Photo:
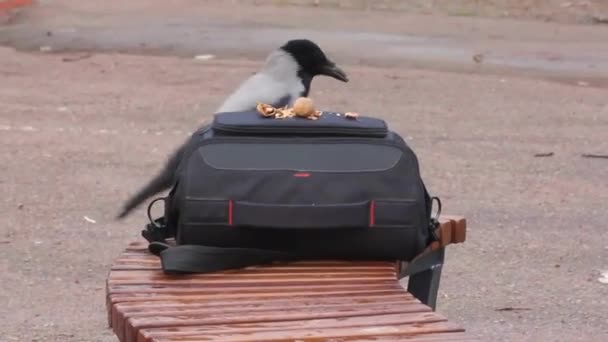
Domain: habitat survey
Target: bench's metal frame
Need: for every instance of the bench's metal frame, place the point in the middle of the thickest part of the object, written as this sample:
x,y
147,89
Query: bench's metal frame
x,y
424,274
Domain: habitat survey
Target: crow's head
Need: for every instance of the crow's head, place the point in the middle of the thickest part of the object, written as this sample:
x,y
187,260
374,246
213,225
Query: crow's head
x,y
312,60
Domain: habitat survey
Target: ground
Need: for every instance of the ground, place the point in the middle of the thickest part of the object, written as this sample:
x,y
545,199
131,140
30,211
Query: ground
x,y
82,127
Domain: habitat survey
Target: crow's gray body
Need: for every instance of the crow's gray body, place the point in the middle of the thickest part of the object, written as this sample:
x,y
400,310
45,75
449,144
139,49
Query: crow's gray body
x,y
277,84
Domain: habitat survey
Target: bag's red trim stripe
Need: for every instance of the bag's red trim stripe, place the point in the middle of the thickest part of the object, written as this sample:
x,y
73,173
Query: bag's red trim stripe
x,y
230,209
302,175
372,213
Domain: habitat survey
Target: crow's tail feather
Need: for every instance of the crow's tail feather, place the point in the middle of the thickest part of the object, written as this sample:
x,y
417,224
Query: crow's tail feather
x,y
159,183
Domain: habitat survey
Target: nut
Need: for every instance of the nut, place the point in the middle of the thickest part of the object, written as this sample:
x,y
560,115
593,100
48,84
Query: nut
x,y
266,110
303,107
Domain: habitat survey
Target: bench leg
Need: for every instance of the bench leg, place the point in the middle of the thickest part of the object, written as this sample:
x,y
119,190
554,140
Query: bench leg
x,y
424,275
425,285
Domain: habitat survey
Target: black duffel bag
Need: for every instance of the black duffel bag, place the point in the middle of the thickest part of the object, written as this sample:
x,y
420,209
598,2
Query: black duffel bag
x,y
251,190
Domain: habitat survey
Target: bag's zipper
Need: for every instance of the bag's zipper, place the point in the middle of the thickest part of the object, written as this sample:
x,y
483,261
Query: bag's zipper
x,y
315,128
298,139
346,131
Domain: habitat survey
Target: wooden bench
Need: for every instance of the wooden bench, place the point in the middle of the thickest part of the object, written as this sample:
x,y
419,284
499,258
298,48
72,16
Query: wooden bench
x,y
298,301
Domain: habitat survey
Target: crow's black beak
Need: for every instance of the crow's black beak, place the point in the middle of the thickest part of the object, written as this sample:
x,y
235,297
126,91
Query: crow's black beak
x,y
332,70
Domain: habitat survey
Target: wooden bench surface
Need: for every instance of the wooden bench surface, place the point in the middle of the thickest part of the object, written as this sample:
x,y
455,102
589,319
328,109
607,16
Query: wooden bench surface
x,y
299,301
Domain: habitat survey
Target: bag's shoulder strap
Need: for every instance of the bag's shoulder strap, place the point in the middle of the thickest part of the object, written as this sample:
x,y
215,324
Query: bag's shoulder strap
x,y
204,259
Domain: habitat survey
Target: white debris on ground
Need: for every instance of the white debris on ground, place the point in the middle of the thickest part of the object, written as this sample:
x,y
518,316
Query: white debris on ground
x,y
603,277
204,57
90,220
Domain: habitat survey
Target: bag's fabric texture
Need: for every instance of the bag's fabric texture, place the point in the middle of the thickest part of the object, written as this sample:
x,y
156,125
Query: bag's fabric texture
x,y
252,190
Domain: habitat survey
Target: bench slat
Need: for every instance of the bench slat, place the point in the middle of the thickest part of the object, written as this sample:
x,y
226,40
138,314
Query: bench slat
x,y
246,278
292,302
355,321
285,271
427,337
262,288
271,317
323,333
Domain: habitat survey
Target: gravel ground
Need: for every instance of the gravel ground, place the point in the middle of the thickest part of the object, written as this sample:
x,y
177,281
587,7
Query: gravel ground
x,y
77,137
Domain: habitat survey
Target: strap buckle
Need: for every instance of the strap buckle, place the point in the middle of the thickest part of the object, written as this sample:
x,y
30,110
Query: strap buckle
x,y
434,221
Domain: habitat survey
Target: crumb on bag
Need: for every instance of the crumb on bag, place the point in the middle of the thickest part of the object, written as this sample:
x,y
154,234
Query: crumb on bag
x,y
303,107
351,115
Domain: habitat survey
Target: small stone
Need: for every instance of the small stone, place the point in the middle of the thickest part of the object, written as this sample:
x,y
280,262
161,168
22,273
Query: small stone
x,y
478,58
204,57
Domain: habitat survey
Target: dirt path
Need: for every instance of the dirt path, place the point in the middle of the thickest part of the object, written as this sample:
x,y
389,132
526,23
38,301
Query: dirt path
x,y
77,137
185,28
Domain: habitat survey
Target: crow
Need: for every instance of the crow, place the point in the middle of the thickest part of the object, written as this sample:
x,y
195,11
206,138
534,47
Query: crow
x,y
286,75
